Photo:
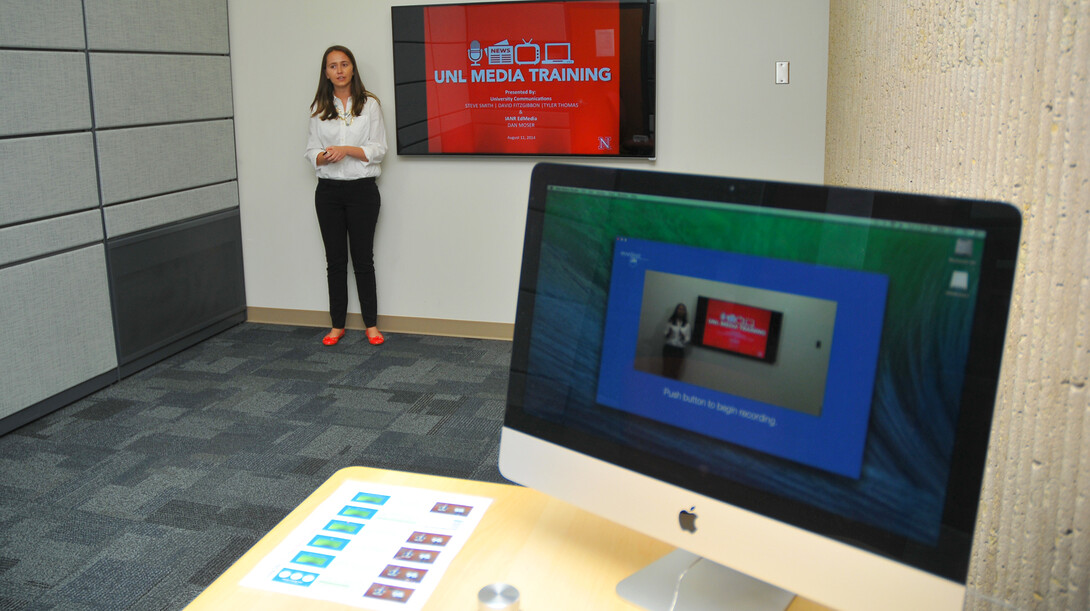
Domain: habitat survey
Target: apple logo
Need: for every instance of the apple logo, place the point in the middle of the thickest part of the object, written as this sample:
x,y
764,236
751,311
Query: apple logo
x,y
687,520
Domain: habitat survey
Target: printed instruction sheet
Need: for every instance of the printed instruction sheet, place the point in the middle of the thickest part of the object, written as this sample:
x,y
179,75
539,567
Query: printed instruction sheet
x,y
372,546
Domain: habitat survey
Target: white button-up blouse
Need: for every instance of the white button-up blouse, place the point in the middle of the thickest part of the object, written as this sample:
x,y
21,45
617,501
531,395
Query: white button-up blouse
x,y
366,131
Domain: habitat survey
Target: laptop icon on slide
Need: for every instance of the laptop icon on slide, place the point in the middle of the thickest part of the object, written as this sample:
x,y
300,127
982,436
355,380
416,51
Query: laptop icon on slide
x,y
558,53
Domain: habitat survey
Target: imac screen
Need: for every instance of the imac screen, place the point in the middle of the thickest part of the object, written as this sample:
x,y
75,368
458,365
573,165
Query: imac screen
x,y
825,357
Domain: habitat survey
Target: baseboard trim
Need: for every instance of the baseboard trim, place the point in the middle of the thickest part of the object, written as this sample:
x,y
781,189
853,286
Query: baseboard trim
x,y
393,324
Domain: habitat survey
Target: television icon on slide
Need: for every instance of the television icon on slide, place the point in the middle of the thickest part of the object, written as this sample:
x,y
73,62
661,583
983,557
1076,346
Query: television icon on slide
x,y
558,53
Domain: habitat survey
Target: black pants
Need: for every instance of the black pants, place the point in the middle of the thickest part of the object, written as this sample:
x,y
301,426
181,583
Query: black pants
x,y
672,360
347,215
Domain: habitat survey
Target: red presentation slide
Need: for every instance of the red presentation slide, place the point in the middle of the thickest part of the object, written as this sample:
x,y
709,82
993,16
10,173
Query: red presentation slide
x,y
737,328
539,78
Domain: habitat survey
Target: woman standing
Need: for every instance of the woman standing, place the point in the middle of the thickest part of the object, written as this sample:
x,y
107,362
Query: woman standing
x,y
678,334
346,142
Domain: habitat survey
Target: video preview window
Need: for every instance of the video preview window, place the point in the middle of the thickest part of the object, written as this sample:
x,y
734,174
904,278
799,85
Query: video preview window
x,y
808,401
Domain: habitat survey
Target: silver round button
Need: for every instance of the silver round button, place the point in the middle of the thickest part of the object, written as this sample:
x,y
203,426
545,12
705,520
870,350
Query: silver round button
x,y
498,597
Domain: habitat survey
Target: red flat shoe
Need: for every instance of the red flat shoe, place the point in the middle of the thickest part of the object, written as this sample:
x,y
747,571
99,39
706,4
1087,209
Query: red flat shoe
x,y
331,340
377,340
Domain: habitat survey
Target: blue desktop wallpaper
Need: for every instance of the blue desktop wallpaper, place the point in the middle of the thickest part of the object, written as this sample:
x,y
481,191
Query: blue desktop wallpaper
x,y
920,371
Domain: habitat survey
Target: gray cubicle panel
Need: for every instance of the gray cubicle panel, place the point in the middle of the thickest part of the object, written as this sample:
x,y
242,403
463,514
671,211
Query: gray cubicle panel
x,y
57,333
47,176
186,88
193,26
27,241
167,172
54,290
126,213
166,159
42,24
140,162
27,75
141,215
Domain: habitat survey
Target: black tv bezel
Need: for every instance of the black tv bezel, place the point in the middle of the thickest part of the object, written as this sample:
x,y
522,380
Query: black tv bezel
x,y
950,557
410,92
772,341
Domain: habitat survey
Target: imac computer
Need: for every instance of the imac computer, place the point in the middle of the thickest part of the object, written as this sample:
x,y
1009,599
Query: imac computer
x,y
793,384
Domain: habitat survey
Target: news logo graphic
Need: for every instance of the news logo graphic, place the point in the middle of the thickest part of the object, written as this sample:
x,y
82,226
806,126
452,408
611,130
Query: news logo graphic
x,y
500,54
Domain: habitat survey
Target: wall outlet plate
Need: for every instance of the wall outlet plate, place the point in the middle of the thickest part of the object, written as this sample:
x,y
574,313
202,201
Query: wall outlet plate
x,y
783,73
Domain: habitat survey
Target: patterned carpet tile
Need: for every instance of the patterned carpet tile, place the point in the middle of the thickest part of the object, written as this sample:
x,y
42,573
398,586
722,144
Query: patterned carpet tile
x,y
140,495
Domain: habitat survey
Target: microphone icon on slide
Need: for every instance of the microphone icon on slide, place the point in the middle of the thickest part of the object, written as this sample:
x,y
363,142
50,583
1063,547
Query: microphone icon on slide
x,y
475,52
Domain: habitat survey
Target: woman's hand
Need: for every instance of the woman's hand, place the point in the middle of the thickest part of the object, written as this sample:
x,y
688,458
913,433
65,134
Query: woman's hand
x,y
333,154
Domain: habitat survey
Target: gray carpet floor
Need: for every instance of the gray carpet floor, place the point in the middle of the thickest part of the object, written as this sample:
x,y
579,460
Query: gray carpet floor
x,y
140,495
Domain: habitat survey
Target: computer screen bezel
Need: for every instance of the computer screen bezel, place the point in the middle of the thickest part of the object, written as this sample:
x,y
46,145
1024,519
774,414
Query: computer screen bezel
x,y
1001,224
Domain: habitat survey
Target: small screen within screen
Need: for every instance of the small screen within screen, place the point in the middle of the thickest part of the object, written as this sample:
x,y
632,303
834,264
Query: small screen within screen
x,y
737,328
763,372
816,361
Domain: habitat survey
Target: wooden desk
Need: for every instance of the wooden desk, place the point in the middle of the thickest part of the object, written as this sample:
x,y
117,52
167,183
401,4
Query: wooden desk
x,y
558,556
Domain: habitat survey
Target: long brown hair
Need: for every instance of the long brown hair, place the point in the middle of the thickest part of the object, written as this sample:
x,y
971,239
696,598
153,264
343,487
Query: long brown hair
x,y
322,105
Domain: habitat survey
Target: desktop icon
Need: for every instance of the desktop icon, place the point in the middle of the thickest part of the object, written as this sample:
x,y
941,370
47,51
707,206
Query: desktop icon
x,y
959,281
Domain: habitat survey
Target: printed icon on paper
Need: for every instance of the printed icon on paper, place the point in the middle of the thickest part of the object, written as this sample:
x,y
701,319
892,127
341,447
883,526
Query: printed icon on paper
x,y
326,542
425,556
340,526
313,559
295,578
403,573
390,593
424,538
362,513
454,510
373,499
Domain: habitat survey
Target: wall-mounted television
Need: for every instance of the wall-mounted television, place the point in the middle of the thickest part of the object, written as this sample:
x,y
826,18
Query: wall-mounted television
x,y
736,328
555,78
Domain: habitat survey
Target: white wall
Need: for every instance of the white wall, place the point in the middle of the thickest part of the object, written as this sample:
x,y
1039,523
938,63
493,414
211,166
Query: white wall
x,y
450,232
